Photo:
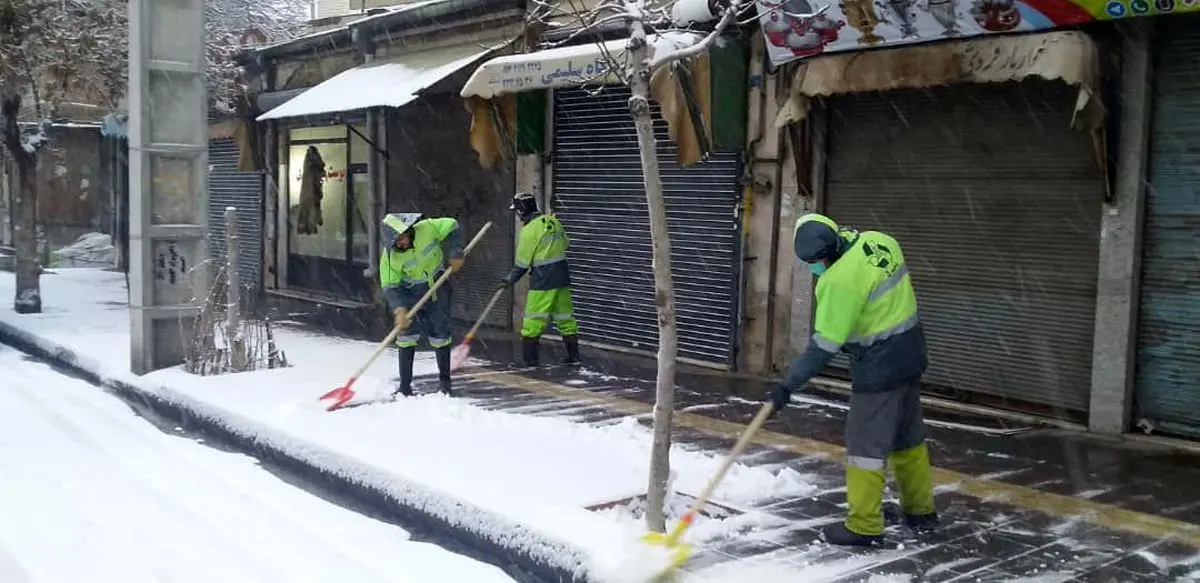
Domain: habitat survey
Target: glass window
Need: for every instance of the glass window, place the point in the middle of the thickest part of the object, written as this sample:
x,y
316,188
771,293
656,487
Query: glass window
x,y
362,214
360,150
317,228
337,132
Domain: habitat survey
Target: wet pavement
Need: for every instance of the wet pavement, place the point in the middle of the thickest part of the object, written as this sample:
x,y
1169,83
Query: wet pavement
x,y
1019,502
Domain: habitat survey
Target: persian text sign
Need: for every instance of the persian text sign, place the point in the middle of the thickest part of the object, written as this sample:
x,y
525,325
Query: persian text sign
x,y
849,25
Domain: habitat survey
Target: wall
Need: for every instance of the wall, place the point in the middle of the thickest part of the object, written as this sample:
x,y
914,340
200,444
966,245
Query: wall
x,y
73,197
772,203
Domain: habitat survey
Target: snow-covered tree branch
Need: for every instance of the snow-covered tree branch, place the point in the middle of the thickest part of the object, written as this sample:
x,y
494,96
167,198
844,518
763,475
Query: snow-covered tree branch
x,y
53,53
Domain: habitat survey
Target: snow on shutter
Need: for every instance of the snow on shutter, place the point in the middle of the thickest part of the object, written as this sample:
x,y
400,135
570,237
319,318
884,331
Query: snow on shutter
x,y
996,202
227,186
599,196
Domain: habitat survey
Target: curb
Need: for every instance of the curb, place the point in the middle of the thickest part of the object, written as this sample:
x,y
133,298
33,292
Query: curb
x,y
525,555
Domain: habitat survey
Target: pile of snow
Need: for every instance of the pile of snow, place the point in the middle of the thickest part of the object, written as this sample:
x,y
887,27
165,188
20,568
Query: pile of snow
x,y
89,250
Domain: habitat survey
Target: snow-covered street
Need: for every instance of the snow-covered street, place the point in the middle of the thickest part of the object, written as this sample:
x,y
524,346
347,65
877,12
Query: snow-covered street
x,y
91,491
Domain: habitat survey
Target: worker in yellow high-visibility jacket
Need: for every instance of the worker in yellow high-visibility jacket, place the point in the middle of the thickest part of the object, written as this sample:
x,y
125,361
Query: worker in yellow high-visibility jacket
x,y
542,251
866,306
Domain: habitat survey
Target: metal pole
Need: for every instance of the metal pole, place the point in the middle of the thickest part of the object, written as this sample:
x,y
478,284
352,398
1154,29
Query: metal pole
x,y
233,326
168,174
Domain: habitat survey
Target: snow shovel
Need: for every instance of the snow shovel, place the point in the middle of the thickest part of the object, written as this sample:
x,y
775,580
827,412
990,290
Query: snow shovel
x,y
681,552
345,393
460,353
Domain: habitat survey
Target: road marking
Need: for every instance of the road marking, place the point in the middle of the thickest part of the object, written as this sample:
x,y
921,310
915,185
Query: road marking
x,y
1097,513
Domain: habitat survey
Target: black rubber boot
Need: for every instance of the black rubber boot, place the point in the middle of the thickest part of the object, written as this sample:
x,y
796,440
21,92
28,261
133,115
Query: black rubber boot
x,y
571,344
838,534
529,351
922,523
443,362
406,371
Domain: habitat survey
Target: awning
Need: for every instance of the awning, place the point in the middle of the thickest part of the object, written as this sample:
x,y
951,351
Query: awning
x,y
589,63
1067,55
490,92
384,83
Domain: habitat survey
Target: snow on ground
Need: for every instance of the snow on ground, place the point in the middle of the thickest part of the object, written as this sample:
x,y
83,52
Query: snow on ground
x,y
89,250
535,471
92,492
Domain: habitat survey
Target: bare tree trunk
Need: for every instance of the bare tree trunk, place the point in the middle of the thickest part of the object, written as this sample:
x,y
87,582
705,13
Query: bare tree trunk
x,y
28,298
664,286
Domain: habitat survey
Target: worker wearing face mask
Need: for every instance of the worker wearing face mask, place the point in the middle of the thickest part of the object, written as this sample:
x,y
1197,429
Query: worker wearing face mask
x,y
866,306
411,261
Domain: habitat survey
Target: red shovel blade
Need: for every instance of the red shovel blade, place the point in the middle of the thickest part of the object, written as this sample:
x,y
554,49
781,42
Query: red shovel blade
x,y
340,396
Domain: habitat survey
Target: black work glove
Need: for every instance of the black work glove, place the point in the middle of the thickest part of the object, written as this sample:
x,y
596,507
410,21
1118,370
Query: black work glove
x,y
779,396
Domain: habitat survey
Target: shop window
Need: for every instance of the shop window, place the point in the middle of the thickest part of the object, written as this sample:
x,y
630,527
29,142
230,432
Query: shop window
x,y
321,133
317,229
360,150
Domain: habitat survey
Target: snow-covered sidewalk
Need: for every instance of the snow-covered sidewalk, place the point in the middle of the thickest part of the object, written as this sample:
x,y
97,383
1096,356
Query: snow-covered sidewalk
x,y
92,492
520,481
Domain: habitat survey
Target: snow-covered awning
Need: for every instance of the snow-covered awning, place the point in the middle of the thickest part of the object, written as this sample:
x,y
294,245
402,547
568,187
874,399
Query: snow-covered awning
x,y
385,83
589,63
1071,56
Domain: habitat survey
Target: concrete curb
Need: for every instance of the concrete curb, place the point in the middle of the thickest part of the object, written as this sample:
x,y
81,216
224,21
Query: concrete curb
x,y
525,555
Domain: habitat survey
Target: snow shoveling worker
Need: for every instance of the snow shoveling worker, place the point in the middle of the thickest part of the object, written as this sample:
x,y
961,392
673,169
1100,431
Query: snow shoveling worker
x,y
866,306
411,261
542,251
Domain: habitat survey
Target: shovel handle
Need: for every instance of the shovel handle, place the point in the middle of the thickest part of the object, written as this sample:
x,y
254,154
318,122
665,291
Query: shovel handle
x,y
738,447
420,304
495,298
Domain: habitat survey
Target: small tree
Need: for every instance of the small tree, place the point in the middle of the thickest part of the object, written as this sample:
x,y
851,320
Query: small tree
x,y
226,23
644,59
51,52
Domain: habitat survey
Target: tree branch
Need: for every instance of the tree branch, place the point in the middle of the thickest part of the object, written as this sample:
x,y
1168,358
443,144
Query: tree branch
x,y
728,16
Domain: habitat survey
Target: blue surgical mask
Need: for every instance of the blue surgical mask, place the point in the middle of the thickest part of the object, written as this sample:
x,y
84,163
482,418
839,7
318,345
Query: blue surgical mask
x,y
817,269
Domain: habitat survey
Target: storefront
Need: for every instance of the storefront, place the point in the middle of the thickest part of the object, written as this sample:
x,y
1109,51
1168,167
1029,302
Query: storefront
x,y
1167,389
352,142
993,181
596,187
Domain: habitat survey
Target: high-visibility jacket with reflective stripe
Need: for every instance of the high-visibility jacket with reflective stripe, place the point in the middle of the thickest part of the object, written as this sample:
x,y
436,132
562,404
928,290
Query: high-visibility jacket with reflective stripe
x,y
542,251
867,307
406,275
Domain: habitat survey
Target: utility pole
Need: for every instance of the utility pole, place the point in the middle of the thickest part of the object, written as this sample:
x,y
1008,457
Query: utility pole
x,y
168,179
233,295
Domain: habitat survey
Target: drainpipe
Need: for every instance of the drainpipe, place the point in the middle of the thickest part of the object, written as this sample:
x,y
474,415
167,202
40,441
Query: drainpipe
x,y
376,192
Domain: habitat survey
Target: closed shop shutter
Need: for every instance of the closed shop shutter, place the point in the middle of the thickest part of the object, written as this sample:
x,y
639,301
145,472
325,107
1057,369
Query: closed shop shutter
x,y
600,197
996,202
1168,344
432,170
228,187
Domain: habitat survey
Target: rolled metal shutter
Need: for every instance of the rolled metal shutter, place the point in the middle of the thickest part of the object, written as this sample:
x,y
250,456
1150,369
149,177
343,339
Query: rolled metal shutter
x,y
1168,341
600,197
996,202
227,186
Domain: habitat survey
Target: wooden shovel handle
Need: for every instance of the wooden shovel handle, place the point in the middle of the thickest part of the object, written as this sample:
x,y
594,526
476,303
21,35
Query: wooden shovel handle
x,y
420,303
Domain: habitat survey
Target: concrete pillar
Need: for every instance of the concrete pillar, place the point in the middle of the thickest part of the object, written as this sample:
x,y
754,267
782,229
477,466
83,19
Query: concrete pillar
x,y
760,211
1114,351
168,169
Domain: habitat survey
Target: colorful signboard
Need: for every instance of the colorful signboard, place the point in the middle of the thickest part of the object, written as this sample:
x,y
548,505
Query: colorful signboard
x,y
796,29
